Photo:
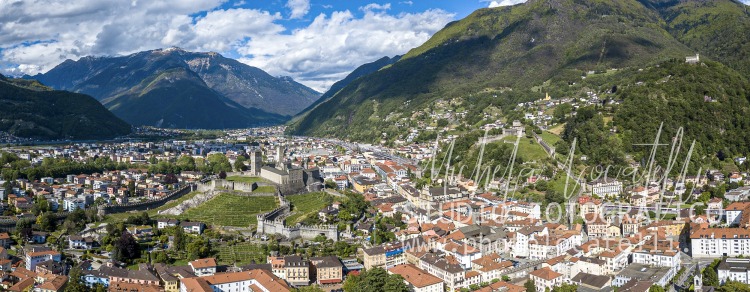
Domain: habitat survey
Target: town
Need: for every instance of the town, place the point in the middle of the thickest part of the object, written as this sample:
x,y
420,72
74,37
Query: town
x,y
276,213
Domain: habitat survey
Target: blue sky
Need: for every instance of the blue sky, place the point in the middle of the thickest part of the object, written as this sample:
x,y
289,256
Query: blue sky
x,y
317,42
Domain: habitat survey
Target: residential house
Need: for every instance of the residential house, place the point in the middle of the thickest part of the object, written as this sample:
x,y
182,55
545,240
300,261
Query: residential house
x,y
734,269
203,267
193,227
546,279
417,279
327,270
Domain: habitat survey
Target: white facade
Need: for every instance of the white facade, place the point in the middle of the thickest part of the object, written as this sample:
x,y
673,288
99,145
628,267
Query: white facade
x,y
734,269
670,259
717,247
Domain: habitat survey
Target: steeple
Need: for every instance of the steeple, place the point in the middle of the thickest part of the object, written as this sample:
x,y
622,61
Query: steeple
x,y
698,279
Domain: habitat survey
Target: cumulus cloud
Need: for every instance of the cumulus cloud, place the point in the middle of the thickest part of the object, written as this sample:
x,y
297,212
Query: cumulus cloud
x,y
36,35
494,4
375,6
298,8
333,45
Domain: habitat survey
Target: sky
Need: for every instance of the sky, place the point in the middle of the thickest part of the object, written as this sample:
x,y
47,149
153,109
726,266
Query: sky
x,y
316,42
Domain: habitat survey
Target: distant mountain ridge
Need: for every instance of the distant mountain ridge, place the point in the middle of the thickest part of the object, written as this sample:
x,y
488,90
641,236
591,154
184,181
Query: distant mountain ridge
x,y
237,95
30,110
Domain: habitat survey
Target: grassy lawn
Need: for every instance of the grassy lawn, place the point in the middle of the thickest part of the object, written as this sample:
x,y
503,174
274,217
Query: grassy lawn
x,y
265,189
241,253
305,205
558,184
231,210
557,129
528,149
550,138
118,217
246,179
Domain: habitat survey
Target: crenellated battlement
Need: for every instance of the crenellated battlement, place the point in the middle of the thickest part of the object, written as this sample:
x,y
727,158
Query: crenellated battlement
x,y
273,223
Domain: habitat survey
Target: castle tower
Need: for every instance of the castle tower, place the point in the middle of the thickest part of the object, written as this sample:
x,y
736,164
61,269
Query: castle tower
x,y
256,162
280,157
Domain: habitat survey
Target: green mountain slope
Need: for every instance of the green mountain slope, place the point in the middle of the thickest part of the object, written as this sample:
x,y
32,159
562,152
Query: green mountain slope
x,y
715,29
360,71
509,49
28,109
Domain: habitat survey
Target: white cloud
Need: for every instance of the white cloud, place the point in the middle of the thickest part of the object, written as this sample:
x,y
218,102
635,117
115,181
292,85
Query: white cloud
x,y
333,45
376,6
36,35
406,2
299,8
494,4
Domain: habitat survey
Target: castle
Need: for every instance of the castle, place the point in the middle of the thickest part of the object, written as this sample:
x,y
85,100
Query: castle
x,y
273,223
289,178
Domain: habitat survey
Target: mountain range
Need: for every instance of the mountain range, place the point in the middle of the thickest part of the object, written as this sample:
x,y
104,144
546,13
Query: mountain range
x,y
29,109
180,89
498,57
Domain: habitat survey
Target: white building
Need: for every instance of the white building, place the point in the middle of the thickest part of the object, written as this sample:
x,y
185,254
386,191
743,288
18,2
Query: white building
x,y
604,187
734,269
546,278
203,267
657,258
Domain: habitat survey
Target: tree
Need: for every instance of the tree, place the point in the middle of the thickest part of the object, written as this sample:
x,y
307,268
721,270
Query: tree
x,y
47,222
126,248
170,179
374,279
239,163
565,288
506,278
74,282
395,283
710,278
530,286
223,174
180,239
734,286
200,248
656,288
186,162
24,228
161,257
131,188
561,111
311,288
40,205
218,162
352,283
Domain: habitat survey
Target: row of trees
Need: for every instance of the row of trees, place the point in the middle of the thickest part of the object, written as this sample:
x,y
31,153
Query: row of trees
x,y
375,280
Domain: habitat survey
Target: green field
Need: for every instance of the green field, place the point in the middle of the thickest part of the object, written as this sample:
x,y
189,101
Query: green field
x,y
559,182
550,138
241,253
117,217
231,210
265,189
528,149
306,205
246,179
